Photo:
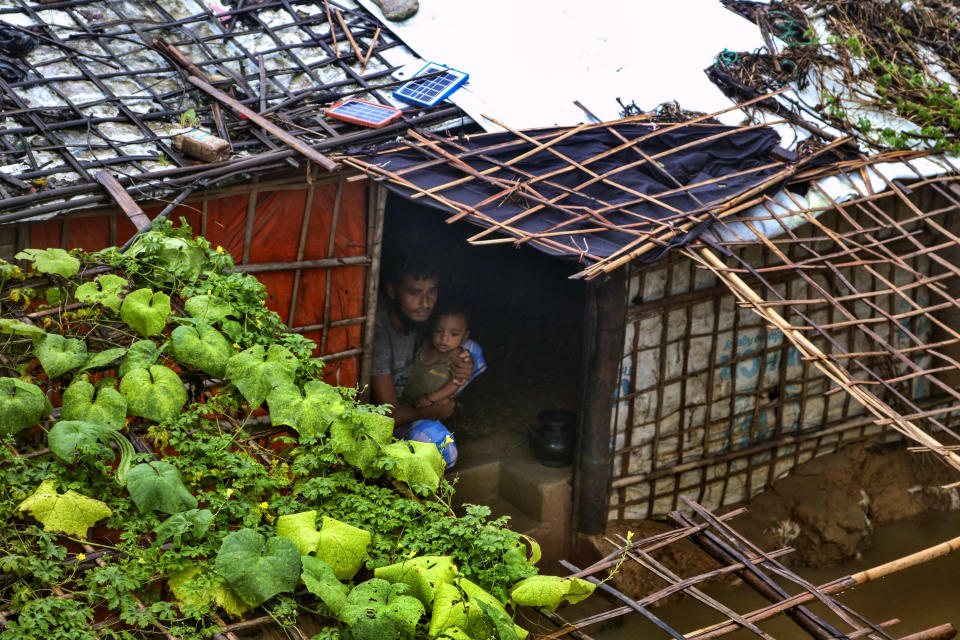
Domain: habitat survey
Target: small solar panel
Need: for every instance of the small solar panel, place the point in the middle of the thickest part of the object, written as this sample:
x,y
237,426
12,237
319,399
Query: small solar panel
x,y
368,114
428,91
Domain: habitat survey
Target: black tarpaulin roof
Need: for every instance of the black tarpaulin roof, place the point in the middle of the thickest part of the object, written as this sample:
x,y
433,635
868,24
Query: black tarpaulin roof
x,y
601,194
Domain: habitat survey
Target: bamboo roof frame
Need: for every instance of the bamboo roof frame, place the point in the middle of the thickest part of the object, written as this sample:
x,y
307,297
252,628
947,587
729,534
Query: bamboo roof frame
x,y
108,91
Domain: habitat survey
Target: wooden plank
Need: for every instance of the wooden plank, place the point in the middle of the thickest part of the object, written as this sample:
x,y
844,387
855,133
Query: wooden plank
x,y
122,198
289,139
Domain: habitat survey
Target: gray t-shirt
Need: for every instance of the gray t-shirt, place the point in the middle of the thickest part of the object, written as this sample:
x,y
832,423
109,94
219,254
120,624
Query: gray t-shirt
x,y
392,350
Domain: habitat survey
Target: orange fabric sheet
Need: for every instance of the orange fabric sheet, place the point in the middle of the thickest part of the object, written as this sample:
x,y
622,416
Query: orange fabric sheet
x,y
277,221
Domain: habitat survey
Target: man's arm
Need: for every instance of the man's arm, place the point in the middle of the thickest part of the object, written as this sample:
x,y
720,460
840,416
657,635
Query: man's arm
x,y
384,392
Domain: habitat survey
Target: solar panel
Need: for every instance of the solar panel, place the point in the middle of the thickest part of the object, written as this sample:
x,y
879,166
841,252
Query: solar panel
x,y
368,114
428,91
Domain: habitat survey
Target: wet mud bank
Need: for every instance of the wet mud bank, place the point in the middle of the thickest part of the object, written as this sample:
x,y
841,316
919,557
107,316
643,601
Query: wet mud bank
x,y
827,509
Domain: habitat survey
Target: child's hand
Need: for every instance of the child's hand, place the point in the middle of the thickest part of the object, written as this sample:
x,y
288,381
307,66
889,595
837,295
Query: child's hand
x,y
423,401
461,366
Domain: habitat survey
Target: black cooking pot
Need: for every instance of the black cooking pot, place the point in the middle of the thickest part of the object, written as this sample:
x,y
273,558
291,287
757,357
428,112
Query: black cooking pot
x,y
553,441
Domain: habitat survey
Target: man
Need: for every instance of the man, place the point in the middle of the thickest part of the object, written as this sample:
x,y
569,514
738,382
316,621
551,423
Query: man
x,y
402,314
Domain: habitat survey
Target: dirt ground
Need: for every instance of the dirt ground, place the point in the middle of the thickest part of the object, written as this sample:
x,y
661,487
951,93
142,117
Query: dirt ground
x,y
826,509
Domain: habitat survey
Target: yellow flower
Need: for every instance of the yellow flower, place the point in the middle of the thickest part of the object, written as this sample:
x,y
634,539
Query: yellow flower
x,y
236,346
229,492
264,505
209,291
81,557
219,249
411,554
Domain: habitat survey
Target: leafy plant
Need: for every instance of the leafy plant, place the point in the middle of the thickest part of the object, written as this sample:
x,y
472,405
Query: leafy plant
x,y
321,581
155,393
105,290
55,261
311,413
18,328
22,405
104,405
58,355
255,372
193,522
550,591
202,347
376,609
70,513
156,486
423,575
238,519
146,311
258,568
140,355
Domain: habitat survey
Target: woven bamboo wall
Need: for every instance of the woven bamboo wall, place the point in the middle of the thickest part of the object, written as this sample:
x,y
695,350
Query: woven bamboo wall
x,y
715,406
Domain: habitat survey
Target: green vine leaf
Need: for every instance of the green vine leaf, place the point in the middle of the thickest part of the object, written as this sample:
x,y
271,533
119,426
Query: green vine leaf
x,y
550,591
174,257
376,609
422,574
343,547
496,623
105,290
359,439
103,358
258,568
202,347
458,604
310,414
55,261
322,582
65,436
18,328
209,308
145,311
156,486
140,355
185,590
255,375
82,401
301,529
58,355
22,405
156,393
419,464
70,513
193,522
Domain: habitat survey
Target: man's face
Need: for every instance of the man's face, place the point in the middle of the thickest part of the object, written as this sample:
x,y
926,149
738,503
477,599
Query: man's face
x,y
414,297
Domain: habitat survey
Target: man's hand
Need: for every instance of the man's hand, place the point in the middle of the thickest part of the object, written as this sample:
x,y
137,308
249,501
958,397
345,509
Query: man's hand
x,y
461,365
437,411
422,402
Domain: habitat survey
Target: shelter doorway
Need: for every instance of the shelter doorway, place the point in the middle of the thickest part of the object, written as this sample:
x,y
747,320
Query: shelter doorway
x,y
527,315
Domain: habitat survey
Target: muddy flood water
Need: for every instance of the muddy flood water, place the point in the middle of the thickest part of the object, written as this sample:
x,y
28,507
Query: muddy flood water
x,y
921,597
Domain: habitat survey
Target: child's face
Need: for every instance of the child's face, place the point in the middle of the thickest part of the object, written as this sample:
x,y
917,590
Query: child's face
x,y
449,332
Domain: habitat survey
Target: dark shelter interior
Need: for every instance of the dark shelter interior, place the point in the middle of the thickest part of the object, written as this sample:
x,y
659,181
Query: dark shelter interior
x,y
525,314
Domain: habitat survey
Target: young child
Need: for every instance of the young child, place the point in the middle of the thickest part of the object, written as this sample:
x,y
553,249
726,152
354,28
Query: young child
x,y
430,379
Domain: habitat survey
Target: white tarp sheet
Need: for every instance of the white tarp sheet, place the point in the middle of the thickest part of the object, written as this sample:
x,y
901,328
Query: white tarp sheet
x,y
529,60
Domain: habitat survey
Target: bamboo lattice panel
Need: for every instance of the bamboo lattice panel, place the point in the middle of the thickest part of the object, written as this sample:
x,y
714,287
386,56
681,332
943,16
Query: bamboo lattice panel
x,y
878,303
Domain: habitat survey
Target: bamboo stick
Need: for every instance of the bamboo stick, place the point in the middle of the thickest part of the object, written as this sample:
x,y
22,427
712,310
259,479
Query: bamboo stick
x,y
373,43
